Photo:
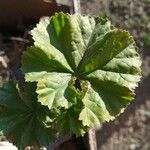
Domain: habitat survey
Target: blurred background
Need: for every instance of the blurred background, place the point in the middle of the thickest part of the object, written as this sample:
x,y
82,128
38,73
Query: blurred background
x,y
129,131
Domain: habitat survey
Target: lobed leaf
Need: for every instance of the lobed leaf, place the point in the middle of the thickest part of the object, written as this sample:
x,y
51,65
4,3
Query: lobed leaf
x,y
22,118
86,70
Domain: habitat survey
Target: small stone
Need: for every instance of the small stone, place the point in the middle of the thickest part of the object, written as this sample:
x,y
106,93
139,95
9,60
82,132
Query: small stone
x,y
132,147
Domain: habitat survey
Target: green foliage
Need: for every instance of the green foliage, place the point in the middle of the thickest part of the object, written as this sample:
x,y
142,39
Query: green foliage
x,y
23,120
84,72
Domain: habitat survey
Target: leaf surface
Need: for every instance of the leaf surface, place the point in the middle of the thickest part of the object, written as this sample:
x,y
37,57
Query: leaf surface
x,y
83,61
69,123
52,91
21,118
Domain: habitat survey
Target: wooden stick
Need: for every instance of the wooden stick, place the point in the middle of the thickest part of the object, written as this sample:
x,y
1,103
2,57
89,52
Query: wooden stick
x,y
77,7
92,139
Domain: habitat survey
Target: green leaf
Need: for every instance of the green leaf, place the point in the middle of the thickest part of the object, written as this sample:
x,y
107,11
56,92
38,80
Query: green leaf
x,y
45,135
94,76
104,50
48,62
69,123
94,110
7,92
22,118
51,90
